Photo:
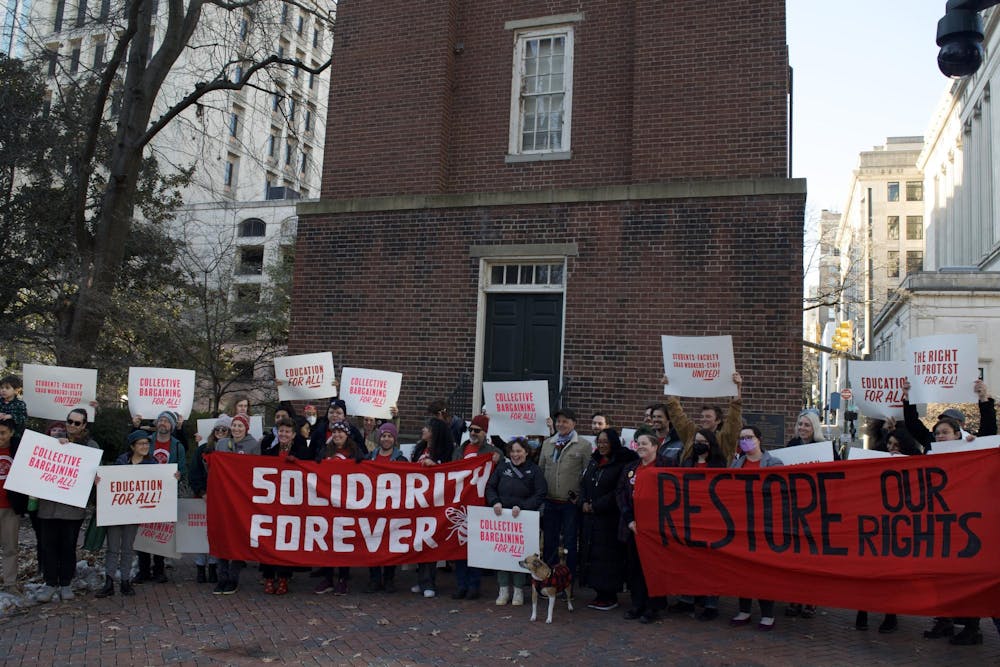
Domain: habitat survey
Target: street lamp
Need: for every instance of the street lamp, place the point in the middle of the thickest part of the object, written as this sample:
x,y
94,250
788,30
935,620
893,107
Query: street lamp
x,y
960,36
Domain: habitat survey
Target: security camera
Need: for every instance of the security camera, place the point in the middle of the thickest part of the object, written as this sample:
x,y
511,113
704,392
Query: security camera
x,y
960,36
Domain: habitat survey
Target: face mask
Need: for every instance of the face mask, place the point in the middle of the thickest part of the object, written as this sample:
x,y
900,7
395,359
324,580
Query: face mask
x,y
311,419
700,448
747,444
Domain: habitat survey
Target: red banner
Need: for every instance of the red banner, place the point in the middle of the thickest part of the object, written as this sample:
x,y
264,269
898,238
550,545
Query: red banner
x,y
910,535
340,513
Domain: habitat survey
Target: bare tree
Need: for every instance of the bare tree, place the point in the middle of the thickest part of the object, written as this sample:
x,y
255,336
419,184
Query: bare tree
x,y
204,48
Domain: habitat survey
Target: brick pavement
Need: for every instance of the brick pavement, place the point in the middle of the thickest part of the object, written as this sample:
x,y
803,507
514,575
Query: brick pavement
x,y
183,623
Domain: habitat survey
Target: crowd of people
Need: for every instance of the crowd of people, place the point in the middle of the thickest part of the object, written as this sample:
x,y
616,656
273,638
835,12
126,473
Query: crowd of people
x,y
583,487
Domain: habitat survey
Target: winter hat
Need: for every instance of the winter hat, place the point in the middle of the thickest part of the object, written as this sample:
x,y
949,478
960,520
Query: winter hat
x,y
341,426
338,403
224,421
482,421
137,435
952,413
389,427
243,419
169,416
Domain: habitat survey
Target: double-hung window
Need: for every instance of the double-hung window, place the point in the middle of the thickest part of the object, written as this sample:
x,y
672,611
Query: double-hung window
x,y
541,94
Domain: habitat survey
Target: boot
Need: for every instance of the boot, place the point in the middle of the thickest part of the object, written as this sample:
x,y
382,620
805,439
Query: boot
x,y
213,574
518,599
126,587
108,590
269,586
504,596
200,578
282,587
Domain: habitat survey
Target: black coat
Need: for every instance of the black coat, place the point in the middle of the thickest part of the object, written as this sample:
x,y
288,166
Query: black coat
x,y
602,555
526,490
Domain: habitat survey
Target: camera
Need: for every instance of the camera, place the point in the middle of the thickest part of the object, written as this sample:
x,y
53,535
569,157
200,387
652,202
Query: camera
x,y
960,36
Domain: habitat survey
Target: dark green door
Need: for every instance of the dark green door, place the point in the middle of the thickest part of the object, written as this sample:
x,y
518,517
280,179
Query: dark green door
x,y
524,339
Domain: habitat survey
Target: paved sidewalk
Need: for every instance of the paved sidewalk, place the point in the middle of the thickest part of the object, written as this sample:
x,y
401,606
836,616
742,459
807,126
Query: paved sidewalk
x,y
183,623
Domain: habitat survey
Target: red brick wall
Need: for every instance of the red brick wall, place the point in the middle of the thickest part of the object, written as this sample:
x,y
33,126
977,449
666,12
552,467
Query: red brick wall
x,y
398,291
663,91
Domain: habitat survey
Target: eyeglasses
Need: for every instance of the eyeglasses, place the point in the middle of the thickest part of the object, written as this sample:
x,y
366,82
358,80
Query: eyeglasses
x,y
475,429
73,422
220,428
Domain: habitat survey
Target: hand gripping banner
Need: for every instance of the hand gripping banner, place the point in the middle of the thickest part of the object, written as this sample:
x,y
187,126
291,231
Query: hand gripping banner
x,y
340,513
910,535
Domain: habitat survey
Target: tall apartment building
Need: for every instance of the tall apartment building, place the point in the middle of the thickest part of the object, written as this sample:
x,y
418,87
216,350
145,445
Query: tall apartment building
x,y
14,16
958,291
522,190
256,151
880,238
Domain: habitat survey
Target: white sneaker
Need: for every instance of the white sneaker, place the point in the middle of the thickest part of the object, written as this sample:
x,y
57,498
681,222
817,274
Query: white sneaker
x,y
66,593
415,588
518,597
429,593
504,596
46,593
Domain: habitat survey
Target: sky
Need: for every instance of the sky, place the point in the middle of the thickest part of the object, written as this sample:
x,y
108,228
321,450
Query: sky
x,y
864,70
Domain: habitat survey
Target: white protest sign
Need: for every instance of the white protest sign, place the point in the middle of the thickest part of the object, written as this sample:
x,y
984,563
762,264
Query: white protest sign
x,y
699,366
192,526
628,437
370,393
45,468
407,450
52,391
136,494
256,427
877,387
951,446
942,369
813,452
305,377
153,390
858,453
517,408
205,427
498,542
157,538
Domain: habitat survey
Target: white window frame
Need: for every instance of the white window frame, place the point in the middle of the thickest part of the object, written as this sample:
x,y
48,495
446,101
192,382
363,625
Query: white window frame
x,y
514,151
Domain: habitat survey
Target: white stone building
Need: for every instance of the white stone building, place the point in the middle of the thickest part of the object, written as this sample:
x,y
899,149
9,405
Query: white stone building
x,y
959,289
256,148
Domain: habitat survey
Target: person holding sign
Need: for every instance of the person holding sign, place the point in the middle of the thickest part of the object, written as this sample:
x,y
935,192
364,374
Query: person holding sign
x,y
753,456
516,484
644,607
383,578
563,459
12,505
468,578
945,430
199,486
602,554
431,451
987,415
704,452
120,538
276,576
59,525
709,417
165,449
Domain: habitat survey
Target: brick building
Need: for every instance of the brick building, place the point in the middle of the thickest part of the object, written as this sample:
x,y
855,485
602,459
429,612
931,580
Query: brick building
x,y
539,190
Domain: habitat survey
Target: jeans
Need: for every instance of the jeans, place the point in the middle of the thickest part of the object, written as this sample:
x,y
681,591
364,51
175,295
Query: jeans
x,y
560,519
120,552
58,547
229,570
427,575
466,577
641,600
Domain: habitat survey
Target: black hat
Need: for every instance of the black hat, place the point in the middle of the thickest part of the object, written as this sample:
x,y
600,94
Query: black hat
x,y
565,412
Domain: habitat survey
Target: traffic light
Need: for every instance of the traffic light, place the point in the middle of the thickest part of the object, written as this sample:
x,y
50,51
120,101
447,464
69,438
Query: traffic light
x,y
843,337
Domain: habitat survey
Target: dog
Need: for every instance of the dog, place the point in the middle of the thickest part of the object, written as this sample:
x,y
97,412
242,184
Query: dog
x,y
549,581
